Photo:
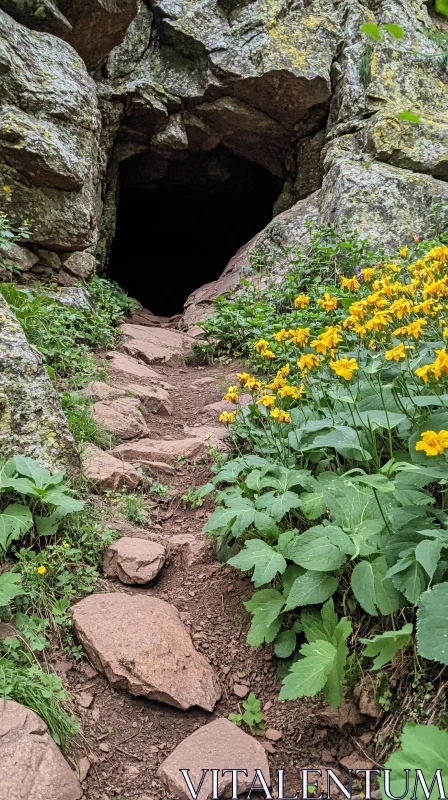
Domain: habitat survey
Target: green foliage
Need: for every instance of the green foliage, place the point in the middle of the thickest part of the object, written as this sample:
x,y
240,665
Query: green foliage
x,y
78,410
423,747
192,498
252,716
323,657
9,236
341,500
42,692
66,337
48,500
386,645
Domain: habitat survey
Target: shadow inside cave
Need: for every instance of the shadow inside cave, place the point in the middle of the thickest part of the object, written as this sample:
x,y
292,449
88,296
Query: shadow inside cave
x,y
180,221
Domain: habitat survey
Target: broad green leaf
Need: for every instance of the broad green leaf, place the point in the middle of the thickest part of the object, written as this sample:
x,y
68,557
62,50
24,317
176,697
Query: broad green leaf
x,y
15,520
9,587
260,631
308,676
312,505
370,29
238,517
285,643
314,550
32,469
266,525
289,576
432,624
411,579
65,503
395,30
269,602
373,591
284,540
427,554
260,557
385,645
311,588
376,418
442,7
277,505
423,747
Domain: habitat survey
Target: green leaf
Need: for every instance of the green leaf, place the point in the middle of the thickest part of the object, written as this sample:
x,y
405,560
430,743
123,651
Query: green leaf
x,y
285,644
373,591
314,550
409,116
385,645
380,419
311,588
427,554
395,30
423,747
9,587
371,30
432,624
277,505
269,602
238,517
442,7
308,676
32,469
312,504
15,520
265,561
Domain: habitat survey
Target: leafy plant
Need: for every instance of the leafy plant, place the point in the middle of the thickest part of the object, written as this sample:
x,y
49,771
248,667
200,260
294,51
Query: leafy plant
x,y
252,716
323,657
386,645
192,498
423,747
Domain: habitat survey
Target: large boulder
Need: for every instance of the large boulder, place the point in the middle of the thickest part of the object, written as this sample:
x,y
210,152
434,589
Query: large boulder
x,y
219,745
31,419
49,135
141,645
31,765
106,471
133,560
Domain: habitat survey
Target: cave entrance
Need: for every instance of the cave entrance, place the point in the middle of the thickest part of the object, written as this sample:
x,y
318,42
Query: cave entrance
x,y
179,221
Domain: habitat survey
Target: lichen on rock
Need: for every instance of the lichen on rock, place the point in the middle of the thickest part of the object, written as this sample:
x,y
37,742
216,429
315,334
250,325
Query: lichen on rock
x,y
31,420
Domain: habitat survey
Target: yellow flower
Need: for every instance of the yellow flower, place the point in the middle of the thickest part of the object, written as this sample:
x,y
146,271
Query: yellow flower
x,y
301,301
252,384
299,336
283,371
267,354
344,367
440,364
292,391
41,570
232,394
367,274
227,416
308,361
401,307
424,372
350,283
66,544
403,251
261,345
397,352
281,336
280,416
328,303
432,443
266,400
6,188
243,377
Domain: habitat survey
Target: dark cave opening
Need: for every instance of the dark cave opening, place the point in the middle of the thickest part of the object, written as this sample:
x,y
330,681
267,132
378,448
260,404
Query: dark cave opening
x,y
179,223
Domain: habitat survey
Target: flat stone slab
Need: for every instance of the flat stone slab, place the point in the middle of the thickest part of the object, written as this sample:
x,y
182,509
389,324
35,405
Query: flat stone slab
x,y
154,399
98,390
159,449
120,417
124,370
190,548
218,745
107,471
133,560
141,645
154,345
31,766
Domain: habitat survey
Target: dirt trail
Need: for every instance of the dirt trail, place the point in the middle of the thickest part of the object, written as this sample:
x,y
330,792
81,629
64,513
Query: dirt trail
x,y
127,738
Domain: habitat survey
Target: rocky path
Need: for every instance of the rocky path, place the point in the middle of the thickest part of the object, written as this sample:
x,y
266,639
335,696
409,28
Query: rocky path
x,y
166,640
